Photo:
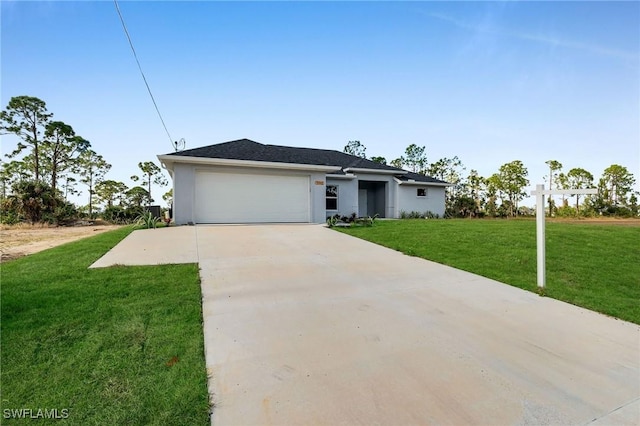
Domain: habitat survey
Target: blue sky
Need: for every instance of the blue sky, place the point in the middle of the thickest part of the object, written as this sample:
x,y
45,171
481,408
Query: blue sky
x,y
490,82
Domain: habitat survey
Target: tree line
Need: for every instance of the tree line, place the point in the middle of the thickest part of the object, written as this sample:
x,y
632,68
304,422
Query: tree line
x,y
499,195
50,162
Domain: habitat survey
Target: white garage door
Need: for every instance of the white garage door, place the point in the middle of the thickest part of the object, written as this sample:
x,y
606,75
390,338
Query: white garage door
x,y
249,198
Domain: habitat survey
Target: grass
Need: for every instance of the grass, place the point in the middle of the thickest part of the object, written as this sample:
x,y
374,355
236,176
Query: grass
x,y
596,266
120,345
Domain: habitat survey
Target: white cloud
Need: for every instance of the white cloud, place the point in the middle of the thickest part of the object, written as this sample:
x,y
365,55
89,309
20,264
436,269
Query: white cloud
x,y
488,27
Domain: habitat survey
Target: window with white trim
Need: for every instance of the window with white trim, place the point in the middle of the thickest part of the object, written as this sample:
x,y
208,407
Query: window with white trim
x,y
421,192
332,197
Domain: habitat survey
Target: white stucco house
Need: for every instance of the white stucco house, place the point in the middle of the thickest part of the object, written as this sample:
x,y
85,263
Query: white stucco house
x,y
243,181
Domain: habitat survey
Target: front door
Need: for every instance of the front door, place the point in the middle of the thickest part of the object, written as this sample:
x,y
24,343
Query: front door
x,y
362,202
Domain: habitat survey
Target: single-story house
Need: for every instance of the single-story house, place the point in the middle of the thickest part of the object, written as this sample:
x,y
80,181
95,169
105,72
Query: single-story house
x,y
243,181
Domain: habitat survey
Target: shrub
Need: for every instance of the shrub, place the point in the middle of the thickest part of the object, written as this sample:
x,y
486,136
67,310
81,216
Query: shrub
x,y
332,221
147,220
121,215
65,213
461,206
526,211
10,211
352,220
365,221
618,211
34,201
114,214
349,219
566,211
418,215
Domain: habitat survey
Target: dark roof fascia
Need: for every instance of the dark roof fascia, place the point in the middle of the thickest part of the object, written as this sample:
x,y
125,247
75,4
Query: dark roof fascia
x,y
426,180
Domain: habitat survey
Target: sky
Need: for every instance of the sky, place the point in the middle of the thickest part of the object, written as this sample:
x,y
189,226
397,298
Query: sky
x,y
489,82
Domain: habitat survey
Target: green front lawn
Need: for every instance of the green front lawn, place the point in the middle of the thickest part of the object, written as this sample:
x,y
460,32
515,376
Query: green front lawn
x,y
596,266
120,345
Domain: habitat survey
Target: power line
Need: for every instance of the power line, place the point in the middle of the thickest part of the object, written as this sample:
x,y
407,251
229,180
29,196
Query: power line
x,y
141,72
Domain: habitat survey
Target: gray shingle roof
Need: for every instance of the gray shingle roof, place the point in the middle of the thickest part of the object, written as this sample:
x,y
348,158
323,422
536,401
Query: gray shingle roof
x,y
419,178
245,149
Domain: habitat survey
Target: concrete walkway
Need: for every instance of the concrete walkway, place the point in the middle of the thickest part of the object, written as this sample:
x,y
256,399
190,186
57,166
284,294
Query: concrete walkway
x,y
304,325
153,247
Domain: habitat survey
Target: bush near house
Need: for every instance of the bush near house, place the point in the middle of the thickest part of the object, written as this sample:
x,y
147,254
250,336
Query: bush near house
x,y
418,215
353,220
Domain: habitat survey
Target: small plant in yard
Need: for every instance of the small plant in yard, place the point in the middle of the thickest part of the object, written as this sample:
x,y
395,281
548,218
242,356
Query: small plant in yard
x,y
349,221
337,220
332,221
147,220
366,221
419,215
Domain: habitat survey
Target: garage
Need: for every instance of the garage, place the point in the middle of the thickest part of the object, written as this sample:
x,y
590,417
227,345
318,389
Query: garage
x,y
251,198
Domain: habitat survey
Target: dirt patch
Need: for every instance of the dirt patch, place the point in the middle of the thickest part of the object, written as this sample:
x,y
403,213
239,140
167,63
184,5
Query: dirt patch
x,y
22,240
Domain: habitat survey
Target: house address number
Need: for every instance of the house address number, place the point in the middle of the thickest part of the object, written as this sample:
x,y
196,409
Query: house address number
x,y
319,182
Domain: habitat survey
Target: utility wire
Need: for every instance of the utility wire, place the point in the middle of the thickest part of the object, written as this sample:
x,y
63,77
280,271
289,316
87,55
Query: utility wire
x,y
141,72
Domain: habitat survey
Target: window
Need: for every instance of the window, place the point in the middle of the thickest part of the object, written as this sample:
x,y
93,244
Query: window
x,y
332,197
421,192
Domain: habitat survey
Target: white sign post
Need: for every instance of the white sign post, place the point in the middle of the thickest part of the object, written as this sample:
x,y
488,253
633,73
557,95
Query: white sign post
x,y
540,192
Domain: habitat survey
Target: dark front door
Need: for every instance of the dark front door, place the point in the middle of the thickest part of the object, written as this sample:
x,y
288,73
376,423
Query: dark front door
x,y
373,194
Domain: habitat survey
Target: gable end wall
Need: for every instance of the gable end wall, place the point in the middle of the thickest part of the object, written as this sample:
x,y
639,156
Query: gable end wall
x,y
408,200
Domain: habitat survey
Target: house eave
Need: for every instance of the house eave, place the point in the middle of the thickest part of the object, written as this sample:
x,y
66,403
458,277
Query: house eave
x,y
347,176
374,171
167,162
418,183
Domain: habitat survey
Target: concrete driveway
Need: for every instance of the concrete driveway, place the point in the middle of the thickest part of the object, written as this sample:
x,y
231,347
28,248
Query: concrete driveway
x,y
304,325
